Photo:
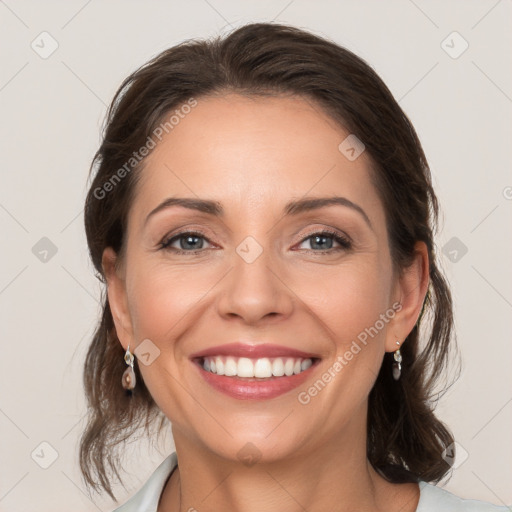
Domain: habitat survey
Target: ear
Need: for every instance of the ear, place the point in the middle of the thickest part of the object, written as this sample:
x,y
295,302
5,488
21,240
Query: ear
x,y
117,298
411,288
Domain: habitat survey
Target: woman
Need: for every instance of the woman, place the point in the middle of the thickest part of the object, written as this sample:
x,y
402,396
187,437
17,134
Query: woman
x,y
262,214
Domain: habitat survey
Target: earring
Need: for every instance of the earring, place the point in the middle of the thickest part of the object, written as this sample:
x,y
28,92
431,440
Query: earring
x,y
128,381
397,365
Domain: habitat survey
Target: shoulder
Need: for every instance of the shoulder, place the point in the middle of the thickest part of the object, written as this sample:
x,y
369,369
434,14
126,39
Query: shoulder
x,y
436,499
147,497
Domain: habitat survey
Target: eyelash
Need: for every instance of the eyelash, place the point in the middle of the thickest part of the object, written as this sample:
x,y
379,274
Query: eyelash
x,y
345,243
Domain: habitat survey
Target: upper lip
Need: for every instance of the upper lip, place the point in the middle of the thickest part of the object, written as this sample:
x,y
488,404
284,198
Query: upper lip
x,y
261,350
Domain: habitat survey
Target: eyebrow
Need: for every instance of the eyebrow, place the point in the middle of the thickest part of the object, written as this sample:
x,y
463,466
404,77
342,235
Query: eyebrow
x,y
292,208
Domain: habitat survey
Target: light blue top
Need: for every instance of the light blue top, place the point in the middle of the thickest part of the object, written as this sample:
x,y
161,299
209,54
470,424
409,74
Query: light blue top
x,y
432,498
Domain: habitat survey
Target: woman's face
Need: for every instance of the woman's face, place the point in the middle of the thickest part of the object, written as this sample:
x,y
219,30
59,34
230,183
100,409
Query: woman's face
x,y
255,284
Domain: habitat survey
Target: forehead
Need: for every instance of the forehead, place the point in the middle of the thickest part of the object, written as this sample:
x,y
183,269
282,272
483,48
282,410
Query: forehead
x,y
254,153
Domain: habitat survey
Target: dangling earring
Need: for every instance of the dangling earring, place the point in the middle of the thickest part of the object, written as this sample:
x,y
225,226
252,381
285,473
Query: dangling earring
x,y
397,365
129,379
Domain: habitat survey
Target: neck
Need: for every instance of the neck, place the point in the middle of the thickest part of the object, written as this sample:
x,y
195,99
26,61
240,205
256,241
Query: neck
x,y
332,476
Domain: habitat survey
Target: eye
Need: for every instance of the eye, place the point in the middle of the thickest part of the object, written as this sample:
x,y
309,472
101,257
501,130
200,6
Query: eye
x,y
323,241
188,242
191,242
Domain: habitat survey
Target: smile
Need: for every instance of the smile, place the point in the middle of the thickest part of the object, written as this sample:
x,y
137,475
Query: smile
x,y
260,368
254,372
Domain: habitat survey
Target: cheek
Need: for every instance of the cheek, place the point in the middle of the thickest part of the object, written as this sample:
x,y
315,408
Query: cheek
x,y
345,299
165,303
160,298
348,300
349,309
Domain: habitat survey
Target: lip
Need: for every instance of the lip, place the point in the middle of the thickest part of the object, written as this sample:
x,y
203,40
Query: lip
x,y
239,349
253,388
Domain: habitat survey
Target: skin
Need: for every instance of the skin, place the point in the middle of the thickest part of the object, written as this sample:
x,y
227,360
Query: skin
x,y
253,155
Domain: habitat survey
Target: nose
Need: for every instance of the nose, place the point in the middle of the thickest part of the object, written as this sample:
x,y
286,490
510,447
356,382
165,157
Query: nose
x,y
255,291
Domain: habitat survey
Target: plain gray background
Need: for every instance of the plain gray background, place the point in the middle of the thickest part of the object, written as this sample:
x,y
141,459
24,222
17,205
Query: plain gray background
x,y
52,105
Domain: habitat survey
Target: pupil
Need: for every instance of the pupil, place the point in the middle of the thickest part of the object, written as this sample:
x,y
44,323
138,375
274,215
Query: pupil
x,y
321,246
188,239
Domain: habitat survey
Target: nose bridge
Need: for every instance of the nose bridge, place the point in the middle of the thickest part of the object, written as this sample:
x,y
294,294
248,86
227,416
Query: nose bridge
x,y
252,289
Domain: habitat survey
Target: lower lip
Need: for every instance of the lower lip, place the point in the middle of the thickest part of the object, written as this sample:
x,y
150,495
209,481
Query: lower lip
x,y
252,388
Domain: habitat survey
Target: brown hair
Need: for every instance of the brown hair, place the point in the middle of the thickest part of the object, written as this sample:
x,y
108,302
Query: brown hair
x,y
405,439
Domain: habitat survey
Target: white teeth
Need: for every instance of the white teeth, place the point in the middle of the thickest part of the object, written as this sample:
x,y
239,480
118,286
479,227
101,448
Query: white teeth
x,y
230,368
261,368
288,367
305,364
220,366
278,367
245,367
